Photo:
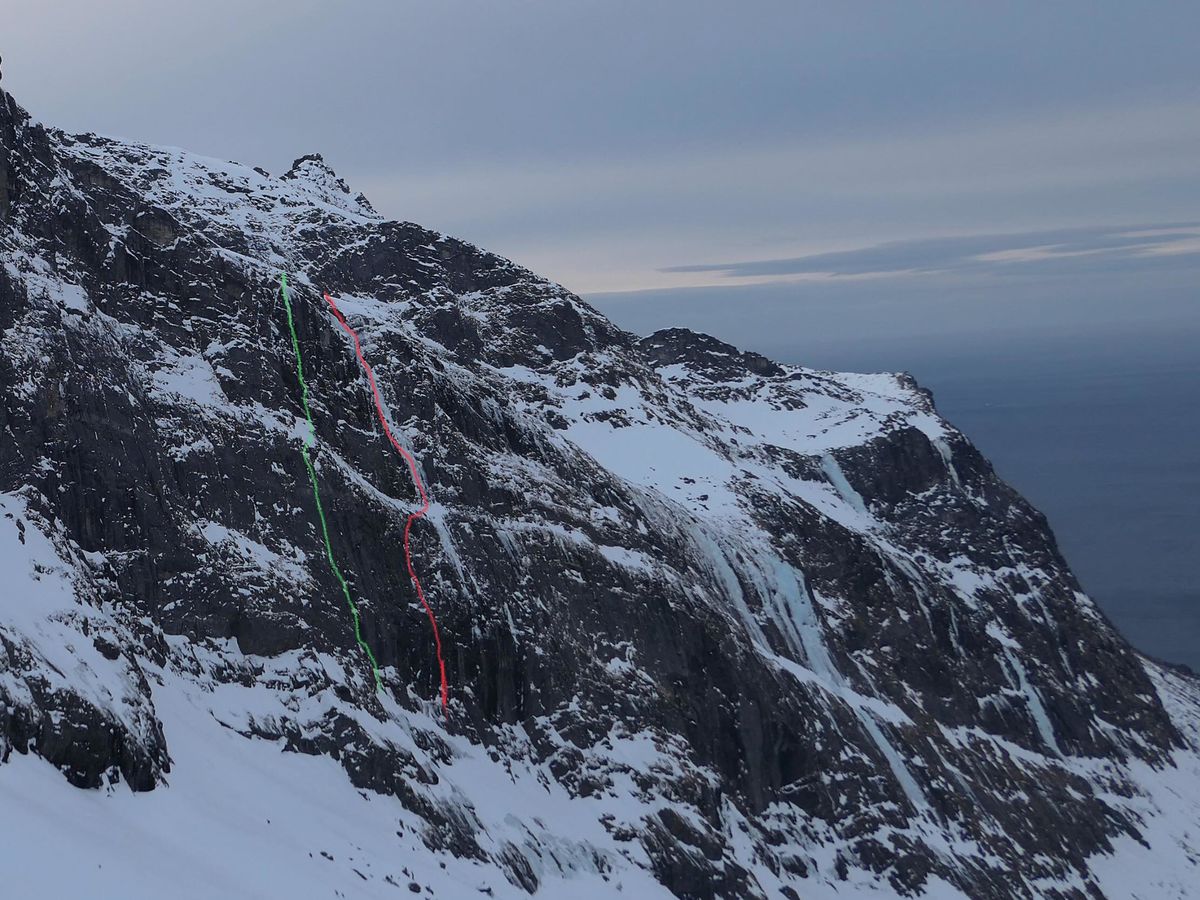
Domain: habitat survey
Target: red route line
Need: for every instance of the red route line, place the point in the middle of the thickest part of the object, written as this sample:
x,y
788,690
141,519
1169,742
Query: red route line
x,y
412,467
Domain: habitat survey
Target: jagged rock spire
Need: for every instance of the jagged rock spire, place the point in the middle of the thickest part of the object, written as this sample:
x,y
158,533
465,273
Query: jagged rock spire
x,y
312,170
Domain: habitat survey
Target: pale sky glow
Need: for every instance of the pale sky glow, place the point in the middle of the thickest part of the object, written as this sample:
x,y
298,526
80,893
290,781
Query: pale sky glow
x,y
627,220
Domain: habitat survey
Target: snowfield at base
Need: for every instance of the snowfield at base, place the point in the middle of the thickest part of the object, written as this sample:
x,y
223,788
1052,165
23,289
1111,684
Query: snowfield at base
x,y
239,818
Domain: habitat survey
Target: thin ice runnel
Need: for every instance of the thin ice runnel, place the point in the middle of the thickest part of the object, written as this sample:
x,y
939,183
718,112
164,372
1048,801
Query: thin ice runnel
x,y
807,628
1034,701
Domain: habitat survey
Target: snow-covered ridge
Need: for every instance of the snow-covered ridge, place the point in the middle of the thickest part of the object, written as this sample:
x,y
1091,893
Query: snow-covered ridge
x,y
225,203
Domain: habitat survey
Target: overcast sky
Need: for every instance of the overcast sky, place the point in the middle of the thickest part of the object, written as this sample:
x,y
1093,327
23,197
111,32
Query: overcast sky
x,y
752,161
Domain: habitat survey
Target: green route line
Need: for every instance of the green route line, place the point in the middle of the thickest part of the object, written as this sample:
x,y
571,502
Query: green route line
x,y
311,441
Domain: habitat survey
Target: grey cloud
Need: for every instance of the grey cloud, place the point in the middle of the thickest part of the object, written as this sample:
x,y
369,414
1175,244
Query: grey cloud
x,y
1092,247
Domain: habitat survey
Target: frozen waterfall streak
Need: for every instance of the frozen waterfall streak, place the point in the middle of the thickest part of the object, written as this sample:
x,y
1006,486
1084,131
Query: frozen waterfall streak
x,y
416,477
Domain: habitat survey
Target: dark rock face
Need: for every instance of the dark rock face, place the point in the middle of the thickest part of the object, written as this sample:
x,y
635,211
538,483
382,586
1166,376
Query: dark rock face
x,y
840,642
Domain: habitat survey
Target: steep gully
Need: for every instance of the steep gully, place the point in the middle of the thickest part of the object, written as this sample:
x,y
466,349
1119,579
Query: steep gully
x,y
412,468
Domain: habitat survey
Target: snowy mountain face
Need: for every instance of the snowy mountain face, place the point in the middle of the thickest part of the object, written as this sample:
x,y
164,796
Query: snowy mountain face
x,y
713,626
